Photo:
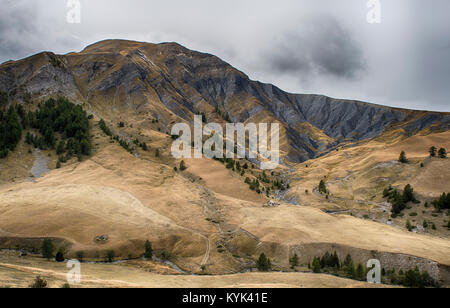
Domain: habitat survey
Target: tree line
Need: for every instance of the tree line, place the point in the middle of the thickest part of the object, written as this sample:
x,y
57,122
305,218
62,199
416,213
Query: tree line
x,y
330,263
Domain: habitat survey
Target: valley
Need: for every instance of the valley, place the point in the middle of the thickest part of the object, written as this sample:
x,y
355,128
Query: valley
x,y
209,220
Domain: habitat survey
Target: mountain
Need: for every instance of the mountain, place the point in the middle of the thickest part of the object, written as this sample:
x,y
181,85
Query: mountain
x,y
169,82
106,199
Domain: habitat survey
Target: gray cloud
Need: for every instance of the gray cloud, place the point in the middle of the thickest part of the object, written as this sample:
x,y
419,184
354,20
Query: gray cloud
x,y
303,46
16,28
320,46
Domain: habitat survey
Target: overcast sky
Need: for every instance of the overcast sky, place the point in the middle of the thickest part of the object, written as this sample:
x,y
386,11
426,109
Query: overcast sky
x,y
316,46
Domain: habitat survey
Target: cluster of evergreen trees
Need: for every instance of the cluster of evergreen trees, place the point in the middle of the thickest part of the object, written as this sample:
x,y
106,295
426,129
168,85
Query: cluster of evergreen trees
x,y
142,145
10,129
443,203
225,115
124,144
61,117
254,185
410,279
399,200
442,153
330,263
105,128
48,251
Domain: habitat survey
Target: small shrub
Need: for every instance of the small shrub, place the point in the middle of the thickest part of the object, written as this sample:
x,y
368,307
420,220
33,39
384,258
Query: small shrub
x,y
263,264
39,283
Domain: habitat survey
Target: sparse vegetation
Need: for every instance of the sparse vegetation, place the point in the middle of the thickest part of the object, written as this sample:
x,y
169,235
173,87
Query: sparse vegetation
x,y
54,60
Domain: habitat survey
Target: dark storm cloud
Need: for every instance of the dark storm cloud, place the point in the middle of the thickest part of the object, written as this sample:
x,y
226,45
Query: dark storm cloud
x,y
321,46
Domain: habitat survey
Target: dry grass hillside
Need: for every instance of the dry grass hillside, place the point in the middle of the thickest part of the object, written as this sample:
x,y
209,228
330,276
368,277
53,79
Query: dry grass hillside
x,y
357,176
20,272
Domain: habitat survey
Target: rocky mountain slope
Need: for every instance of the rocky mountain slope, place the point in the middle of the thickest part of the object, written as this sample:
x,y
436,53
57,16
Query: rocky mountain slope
x,y
207,219
171,83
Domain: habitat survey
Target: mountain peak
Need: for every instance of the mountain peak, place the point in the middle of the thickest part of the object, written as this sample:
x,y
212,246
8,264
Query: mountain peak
x,y
173,83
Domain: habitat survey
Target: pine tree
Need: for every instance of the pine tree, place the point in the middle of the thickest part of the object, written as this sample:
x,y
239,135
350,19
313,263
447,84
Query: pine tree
x,y
148,254
294,261
408,194
409,226
59,256
403,158
360,273
322,187
433,151
316,266
47,249
183,166
349,266
263,264
442,153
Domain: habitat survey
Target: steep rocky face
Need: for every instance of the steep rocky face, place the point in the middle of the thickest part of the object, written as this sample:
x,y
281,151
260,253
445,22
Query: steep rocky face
x,y
168,81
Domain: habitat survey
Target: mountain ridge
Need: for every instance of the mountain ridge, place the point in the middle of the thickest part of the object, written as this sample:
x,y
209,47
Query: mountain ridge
x,y
172,83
